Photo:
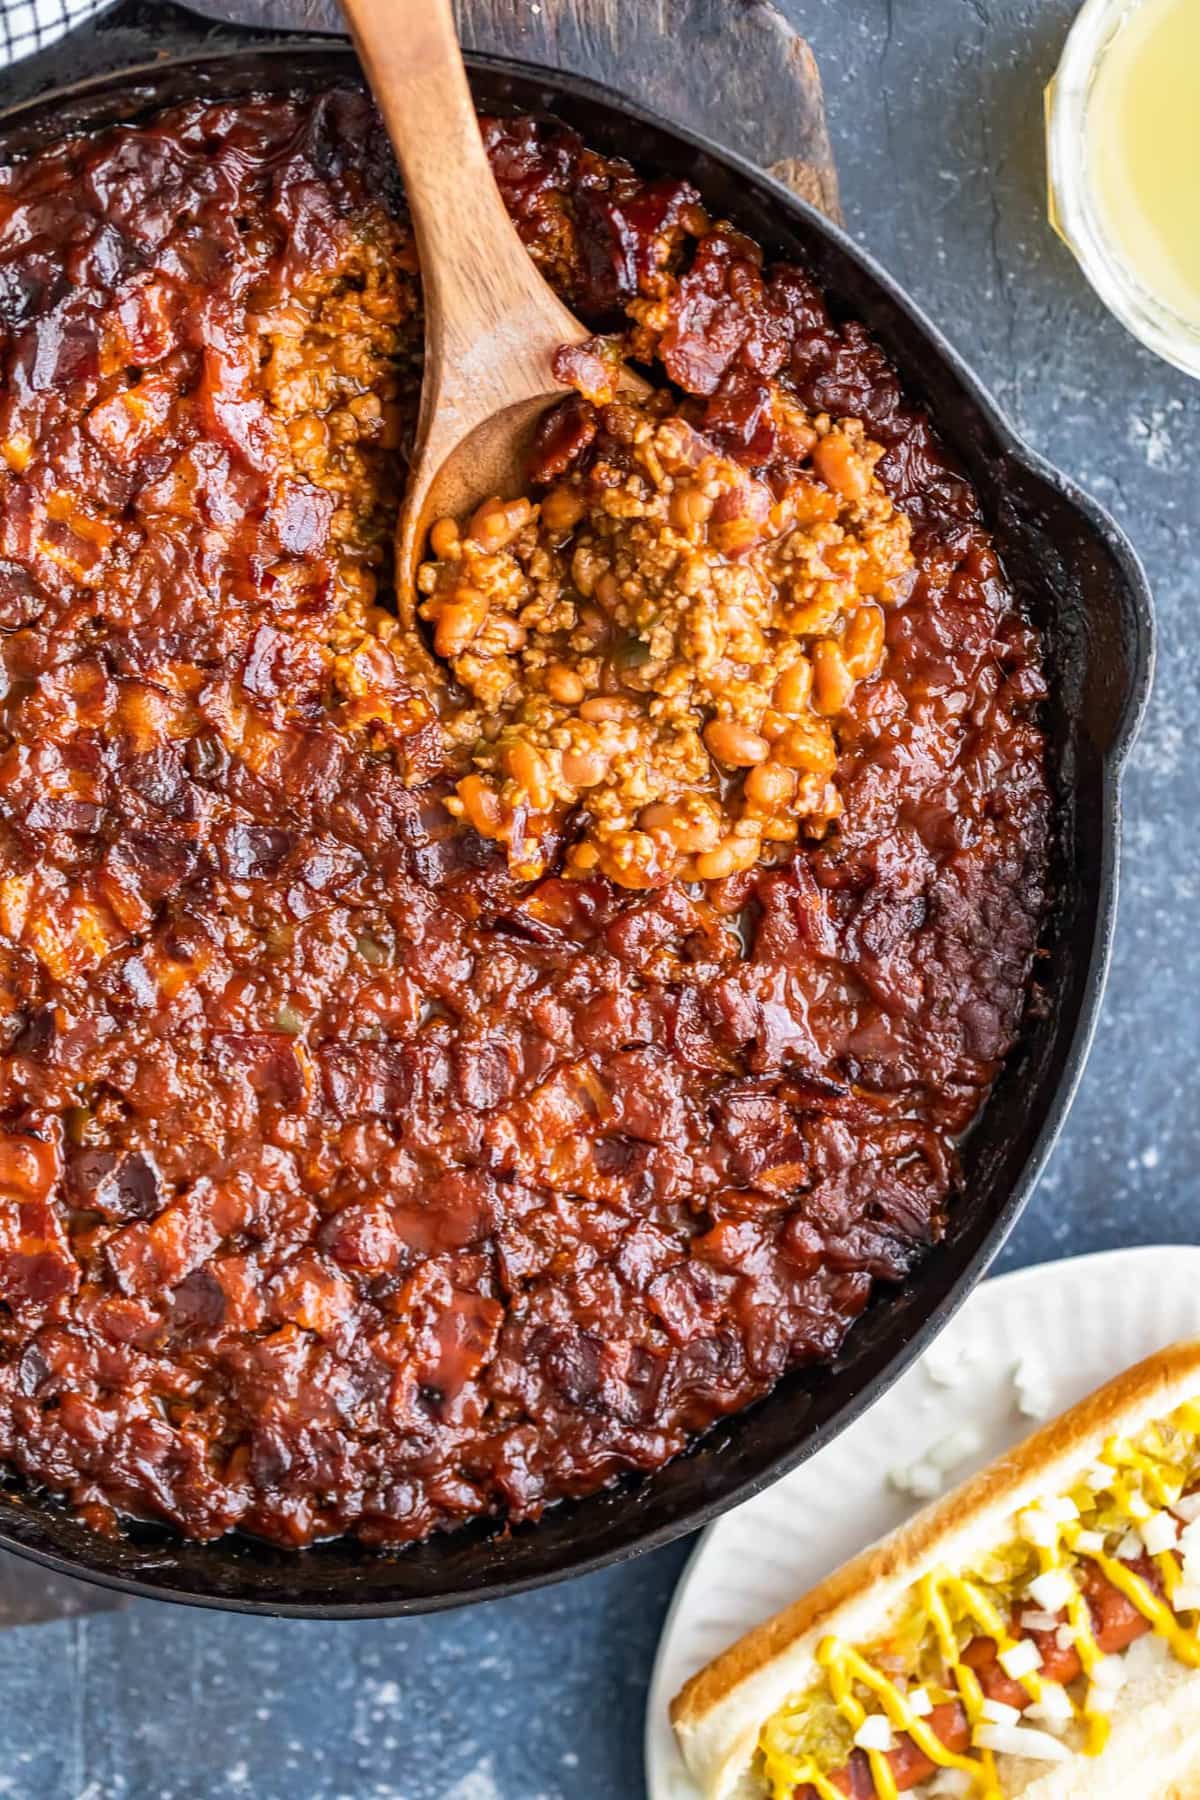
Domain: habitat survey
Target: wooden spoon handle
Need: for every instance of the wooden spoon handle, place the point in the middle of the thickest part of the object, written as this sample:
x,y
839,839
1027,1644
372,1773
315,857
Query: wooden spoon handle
x,y
484,298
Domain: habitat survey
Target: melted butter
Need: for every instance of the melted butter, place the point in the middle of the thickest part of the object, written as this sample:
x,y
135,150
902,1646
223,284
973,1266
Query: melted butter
x,y
953,1608
1143,148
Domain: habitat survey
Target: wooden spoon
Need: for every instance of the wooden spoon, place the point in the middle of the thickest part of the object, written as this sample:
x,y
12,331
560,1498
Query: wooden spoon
x,y
492,325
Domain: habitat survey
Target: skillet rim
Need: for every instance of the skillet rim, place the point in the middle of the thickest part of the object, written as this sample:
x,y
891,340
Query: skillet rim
x,y
1138,637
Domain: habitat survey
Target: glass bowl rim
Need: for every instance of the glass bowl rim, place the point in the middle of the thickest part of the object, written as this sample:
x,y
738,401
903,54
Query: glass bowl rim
x,y
1074,212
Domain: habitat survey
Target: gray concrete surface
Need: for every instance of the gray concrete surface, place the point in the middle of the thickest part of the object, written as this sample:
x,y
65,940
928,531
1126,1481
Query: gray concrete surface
x,y
936,113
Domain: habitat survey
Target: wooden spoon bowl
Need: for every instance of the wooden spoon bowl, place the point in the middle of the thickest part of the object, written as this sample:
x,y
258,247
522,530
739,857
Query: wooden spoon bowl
x,y
492,325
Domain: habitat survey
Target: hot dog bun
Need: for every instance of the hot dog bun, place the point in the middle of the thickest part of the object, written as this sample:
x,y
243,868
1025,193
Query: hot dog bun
x,y
1154,1749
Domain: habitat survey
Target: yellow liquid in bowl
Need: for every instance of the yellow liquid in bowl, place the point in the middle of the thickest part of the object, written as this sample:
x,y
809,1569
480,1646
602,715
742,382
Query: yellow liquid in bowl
x,y
1143,147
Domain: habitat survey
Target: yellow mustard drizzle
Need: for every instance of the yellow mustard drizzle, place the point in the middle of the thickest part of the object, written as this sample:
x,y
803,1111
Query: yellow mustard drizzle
x,y
1169,1569
976,1605
965,1679
1183,1643
1146,1471
1097,1725
802,1771
896,1707
843,1665
784,1770
969,1689
846,1666
814,1778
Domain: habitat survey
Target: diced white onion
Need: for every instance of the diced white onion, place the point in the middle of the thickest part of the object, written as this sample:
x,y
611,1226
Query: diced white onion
x,y
1187,1508
1159,1532
1039,1621
1037,1527
955,1448
1060,1727
997,1713
1109,1673
1064,1637
1099,1699
1021,1659
1052,1590
1020,1740
925,1476
920,1479
1061,1508
1186,1597
918,1702
1130,1547
1189,1537
945,1365
1139,1508
1034,1388
1099,1477
1089,1540
875,1733
1053,1704
951,1784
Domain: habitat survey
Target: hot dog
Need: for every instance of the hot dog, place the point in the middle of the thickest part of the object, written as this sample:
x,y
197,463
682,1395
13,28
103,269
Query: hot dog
x,y
1116,1623
1035,1634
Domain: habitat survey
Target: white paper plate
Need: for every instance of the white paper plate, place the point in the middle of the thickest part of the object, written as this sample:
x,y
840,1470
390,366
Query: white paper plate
x,y
1067,1326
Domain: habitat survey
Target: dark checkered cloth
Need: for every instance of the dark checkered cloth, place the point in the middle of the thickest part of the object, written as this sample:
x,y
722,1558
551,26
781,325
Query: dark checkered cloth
x,y
29,25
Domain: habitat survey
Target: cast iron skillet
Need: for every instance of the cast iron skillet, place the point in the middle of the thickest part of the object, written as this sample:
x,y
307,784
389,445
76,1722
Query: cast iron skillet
x,y
1083,585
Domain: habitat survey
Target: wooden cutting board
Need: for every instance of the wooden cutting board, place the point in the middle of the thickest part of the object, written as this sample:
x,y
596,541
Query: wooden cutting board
x,y
735,70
